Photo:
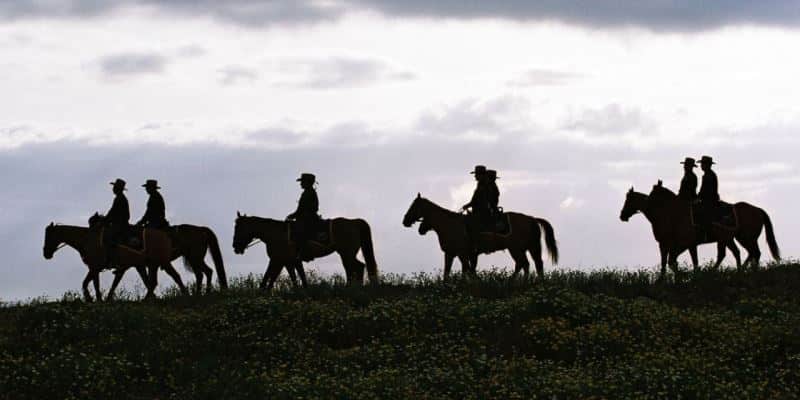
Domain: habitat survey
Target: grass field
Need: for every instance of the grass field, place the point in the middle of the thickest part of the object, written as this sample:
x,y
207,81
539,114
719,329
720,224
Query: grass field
x,y
605,334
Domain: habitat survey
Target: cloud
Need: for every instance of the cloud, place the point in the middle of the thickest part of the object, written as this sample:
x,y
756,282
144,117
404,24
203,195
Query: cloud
x,y
122,65
677,15
341,73
235,74
479,120
248,13
543,77
611,120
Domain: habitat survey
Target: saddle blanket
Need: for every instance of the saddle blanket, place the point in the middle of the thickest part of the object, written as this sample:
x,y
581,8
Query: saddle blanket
x,y
498,225
321,233
724,215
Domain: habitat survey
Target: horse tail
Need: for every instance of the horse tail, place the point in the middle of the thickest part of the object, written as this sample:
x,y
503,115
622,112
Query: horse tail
x,y
773,244
216,256
549,239
368,250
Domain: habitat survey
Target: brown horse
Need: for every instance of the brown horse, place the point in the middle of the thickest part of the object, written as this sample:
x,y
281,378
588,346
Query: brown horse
x,y
87,242
348,236
451,228
675,232
190,242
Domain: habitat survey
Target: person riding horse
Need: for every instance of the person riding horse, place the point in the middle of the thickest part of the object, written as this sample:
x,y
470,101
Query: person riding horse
x,y
479,205
154,216
688,190
117,219
493,191
709,194
305,215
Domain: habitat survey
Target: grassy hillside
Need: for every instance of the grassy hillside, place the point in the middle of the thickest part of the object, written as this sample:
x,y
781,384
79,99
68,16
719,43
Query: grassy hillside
x,y
575,335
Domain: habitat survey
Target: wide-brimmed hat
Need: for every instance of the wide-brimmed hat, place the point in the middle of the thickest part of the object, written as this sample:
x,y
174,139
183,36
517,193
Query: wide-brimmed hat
x,y
479,170
118,183
151,183
492,174
707,160
306,177
689,161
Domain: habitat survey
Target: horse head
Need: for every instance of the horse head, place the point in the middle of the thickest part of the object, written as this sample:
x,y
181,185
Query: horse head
x,y
96,220
414,212
50,241
632,205
243,233
424,227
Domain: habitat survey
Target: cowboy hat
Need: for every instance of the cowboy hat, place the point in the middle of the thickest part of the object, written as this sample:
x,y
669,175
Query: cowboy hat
x,y
689,161
707,160
492,174
118,183
151,183
479,170
306,177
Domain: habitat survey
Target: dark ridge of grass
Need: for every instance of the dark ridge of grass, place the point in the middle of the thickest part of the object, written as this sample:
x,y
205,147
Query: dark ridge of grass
x,y
598,334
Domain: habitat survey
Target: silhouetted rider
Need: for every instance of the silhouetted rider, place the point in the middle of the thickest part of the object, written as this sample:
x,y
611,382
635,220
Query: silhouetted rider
x,y
117,219
493,192
688,190
479,204
306,213
155,215
709,193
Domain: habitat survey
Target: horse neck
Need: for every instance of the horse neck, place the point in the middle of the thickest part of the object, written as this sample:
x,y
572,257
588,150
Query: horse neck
x,y
436,216
269,230
72,236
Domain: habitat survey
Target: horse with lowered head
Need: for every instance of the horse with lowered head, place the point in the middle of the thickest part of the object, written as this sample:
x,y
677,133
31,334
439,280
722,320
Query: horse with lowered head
x,y
675,231
88,243
451,228
347,237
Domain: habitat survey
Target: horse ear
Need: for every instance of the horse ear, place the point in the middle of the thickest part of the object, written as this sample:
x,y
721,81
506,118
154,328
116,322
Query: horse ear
x,y
660,183
630,190
238,214
52,224
419,195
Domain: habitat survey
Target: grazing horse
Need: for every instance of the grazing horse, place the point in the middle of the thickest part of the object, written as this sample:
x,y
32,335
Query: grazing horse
x,y
87,242
675,233
190,242
451,228
348,236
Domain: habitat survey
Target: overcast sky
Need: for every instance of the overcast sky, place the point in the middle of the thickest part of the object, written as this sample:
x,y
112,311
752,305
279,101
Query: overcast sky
x,y
225,103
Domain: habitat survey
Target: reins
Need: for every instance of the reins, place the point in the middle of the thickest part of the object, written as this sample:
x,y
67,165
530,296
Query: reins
x,y
253,243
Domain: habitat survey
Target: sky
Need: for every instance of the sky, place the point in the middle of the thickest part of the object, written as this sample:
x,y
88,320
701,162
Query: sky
x,y
226,103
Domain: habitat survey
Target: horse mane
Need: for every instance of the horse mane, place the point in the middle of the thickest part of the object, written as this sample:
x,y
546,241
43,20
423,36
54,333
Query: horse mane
x,y
663,191
268,221
436,206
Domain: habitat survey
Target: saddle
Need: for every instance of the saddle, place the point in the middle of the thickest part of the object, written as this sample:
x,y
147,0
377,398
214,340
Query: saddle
x,y
320,232
498,224
723,215
131,237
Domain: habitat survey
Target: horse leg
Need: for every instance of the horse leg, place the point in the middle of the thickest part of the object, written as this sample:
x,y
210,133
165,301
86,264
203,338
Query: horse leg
x,y
664,258
536,254
473,262
693,255
521,262
96,280
448,264
736,256
273,271
209,276
298,266
86,295
292,274
142,270
465,267
170,270
153,275
720,254
359,269
198,281
118,274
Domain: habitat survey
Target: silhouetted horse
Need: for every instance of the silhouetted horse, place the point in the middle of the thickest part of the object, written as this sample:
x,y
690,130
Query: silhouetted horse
x,y
675,232
190,242
348,236
451,227
87,242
